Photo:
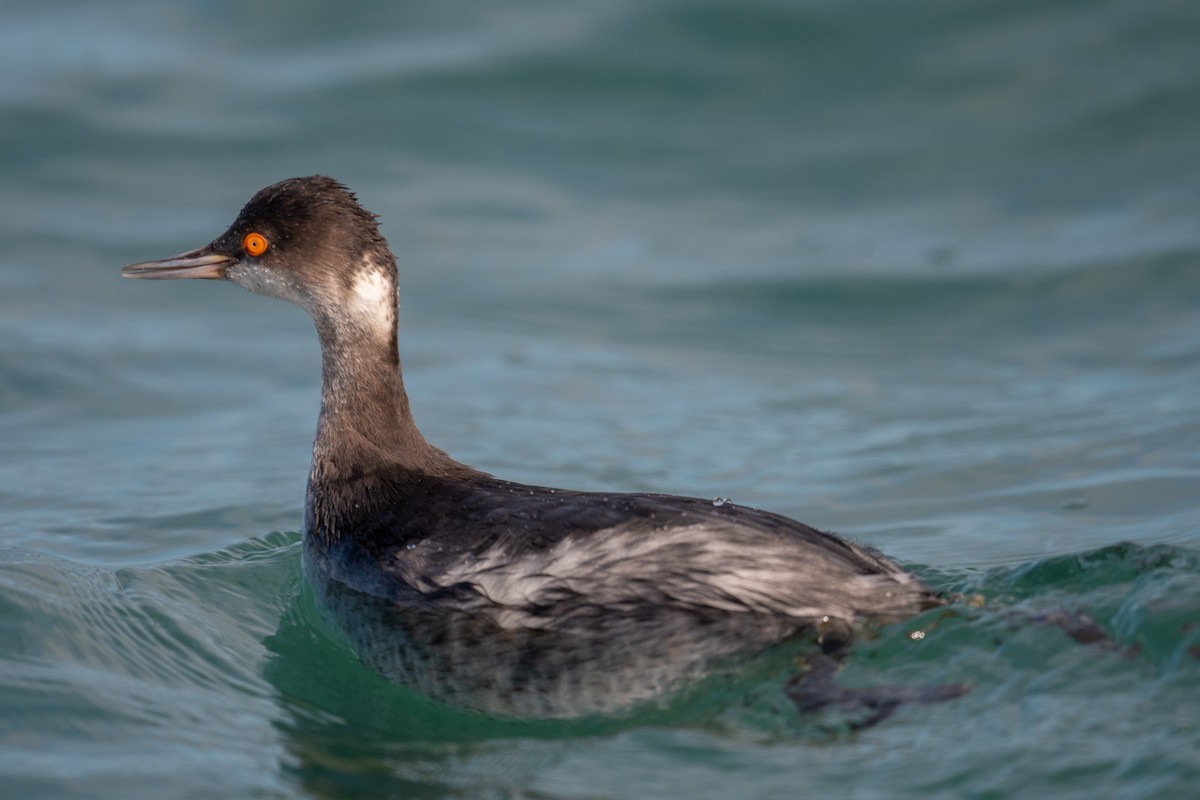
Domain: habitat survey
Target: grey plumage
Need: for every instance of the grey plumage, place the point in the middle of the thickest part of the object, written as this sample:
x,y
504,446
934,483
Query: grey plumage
x,y
508,598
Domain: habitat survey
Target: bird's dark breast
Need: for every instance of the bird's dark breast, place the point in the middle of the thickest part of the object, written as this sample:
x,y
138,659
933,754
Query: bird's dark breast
x,y
389,512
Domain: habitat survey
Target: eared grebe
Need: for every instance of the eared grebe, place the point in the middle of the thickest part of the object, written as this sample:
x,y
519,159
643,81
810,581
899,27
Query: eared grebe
x,y
502,597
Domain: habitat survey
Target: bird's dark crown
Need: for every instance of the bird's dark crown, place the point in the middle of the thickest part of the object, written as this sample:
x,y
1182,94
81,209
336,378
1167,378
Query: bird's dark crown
x,y
312,226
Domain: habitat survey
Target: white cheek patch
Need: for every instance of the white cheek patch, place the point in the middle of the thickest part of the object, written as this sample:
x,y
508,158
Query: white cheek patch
x,y
373,301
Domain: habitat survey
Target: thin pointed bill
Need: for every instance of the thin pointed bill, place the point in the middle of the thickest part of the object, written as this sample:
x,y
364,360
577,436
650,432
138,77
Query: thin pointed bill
x,y
202,264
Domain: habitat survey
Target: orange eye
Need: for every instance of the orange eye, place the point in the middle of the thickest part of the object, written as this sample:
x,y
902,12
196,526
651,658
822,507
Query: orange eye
x,y
255,244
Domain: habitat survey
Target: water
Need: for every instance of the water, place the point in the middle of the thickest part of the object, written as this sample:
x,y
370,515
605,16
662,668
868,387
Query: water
x,y
928,275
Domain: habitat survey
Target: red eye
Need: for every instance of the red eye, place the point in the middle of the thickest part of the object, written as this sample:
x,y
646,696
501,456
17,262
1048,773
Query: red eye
x,y
255,244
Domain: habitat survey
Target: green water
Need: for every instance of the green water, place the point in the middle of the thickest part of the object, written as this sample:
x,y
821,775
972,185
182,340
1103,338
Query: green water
x,y
925,274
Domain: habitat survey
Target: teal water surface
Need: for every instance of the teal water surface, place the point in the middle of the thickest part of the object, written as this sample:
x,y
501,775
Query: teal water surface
x,y
924,274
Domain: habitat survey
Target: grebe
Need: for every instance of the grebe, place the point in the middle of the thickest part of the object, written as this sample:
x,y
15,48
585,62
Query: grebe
x,y
503,597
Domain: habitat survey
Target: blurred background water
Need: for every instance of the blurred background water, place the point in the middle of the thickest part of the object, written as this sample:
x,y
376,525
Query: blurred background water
x,y
927,274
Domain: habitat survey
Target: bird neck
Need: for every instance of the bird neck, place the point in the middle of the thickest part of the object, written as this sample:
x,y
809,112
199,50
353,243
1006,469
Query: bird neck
x,y
365,417
367,446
